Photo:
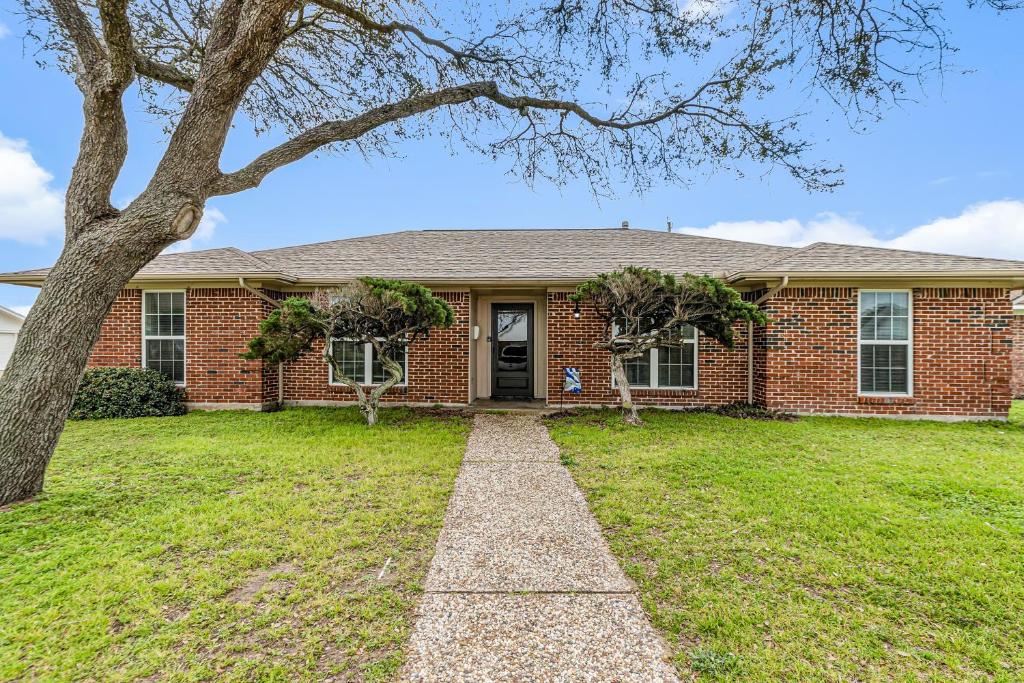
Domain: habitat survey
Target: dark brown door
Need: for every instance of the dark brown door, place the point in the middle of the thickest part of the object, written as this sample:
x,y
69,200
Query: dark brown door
x,y
511,350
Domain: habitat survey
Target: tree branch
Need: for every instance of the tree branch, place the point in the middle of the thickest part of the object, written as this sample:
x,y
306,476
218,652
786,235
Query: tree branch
x,y
339,131
92,59
400,27
117,34
164,73
331,132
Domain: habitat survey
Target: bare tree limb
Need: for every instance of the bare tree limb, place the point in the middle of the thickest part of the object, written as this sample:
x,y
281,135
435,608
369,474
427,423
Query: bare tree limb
x,y
367,23
331,132
164,73
339,131
92,59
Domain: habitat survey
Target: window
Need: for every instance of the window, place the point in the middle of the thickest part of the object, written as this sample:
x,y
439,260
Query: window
x,y
163,333
886,349
666,367
360,362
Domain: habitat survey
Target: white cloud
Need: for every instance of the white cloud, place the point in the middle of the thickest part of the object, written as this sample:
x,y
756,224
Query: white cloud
x,y
4,31
993,229
31,210
204,233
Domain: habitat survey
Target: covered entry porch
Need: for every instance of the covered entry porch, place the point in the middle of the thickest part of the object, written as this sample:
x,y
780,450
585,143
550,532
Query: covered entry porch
x,y
508,347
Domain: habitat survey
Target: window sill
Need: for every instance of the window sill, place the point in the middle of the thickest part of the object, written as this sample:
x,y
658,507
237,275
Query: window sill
x,y
663,390
886,399
366,386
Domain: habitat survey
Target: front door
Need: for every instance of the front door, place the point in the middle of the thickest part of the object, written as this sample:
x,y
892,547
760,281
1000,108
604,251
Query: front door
x,y
511,350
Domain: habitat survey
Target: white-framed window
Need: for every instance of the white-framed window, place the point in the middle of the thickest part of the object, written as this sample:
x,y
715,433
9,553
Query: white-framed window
x,y
666,367
885,349
359,360
163,333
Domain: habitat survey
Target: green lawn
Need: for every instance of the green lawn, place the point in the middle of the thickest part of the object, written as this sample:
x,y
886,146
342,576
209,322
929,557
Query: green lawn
x,y
822,549
227,546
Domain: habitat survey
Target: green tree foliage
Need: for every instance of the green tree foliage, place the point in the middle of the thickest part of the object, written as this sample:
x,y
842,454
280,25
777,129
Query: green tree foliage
x,y
643,308
388,314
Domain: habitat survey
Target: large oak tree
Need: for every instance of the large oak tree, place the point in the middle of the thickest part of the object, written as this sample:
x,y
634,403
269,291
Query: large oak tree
x,y
605,90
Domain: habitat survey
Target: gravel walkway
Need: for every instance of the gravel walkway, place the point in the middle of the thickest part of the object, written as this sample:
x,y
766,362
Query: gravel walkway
x,y
522,586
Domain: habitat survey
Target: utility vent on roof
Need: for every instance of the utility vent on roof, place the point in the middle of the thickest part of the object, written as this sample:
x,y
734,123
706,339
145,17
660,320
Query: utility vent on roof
x,y
625,225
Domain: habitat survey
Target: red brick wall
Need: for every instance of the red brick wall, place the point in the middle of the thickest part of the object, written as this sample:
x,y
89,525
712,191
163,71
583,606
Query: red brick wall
x,y
805,360
438,367
120,341
1017,383
218,325
721,373
961,353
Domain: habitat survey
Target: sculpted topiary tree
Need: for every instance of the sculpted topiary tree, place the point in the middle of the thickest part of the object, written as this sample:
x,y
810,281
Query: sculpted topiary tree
x,y
607,91
387,314
644,308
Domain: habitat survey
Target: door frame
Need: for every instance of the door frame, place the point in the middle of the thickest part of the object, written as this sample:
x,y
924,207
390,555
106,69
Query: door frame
x,y
531,347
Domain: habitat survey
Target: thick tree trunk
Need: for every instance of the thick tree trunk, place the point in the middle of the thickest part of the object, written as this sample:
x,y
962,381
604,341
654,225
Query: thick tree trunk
x,y
44,372
629,413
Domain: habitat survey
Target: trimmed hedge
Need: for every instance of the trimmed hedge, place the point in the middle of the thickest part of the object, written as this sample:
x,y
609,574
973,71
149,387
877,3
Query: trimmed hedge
x,y
126,392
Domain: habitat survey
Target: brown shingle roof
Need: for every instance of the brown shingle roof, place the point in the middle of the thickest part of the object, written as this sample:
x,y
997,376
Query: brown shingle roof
x,y
476,255
826,257
547,256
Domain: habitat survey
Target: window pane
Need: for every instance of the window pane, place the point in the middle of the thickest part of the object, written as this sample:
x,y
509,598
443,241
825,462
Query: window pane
x,y
883,303
350,356
885,368
379,373
900,303
900,329
675,365
867,379
164,314
883,328
867,303
178,303
867,327
167,356
638,371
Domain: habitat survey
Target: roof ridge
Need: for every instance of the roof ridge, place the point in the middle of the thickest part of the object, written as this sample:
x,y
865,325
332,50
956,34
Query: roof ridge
x,y
252,257
794,252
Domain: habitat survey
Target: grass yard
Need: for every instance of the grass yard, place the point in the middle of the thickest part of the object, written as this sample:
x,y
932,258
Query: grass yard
x,y
822,549
227,546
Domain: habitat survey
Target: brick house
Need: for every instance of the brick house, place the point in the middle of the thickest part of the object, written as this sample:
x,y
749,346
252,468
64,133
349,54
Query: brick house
x,y
1017,355
853,330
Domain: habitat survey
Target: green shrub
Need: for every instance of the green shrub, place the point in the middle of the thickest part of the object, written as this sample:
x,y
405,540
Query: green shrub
x,y
126,392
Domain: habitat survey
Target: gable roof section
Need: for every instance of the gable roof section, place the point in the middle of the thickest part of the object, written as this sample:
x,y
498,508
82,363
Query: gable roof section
x,y
524,255
550,256
825,257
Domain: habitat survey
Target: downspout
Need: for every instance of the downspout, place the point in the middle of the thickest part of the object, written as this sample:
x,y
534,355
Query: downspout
x,y
276,304
750,335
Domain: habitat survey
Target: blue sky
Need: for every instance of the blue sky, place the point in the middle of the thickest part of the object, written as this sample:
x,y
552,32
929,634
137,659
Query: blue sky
x,y
944,174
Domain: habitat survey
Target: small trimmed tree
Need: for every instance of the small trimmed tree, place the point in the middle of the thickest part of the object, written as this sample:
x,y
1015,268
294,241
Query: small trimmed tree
x,y
387,314
644,308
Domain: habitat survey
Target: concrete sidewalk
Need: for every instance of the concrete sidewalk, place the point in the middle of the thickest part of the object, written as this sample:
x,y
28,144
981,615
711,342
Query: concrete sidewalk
x,y
522,585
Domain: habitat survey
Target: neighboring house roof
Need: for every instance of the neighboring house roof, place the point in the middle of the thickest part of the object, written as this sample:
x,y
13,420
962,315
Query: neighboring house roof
x,y
566,255
10,321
